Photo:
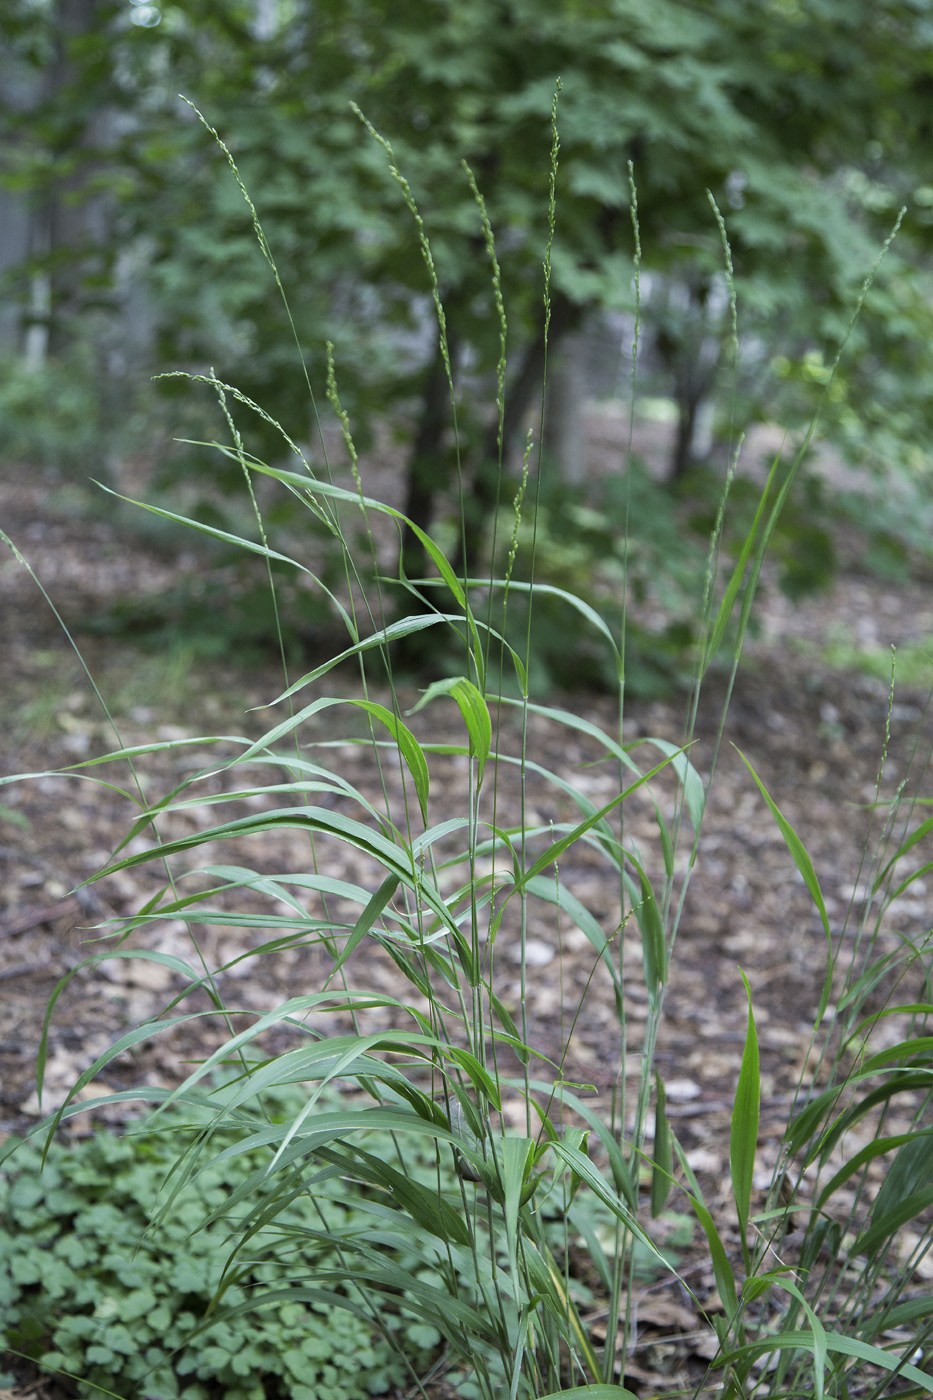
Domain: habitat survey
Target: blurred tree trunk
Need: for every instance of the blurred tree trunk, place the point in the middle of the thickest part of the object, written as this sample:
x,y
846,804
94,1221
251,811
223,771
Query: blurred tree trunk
x,y
521,393
563,415
688,339
75,223
428,470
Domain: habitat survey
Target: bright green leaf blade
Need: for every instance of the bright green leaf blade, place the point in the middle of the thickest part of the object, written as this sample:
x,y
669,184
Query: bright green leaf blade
x,y
473,708
835,1341
743,1142
365,922
409,748
662,1155
556,850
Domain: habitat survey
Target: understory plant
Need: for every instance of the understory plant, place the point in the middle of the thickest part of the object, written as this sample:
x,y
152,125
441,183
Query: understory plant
x,y
453,891
100,1289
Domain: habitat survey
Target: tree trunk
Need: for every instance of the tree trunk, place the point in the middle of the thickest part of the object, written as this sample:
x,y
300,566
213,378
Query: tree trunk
x,y
77,224
529,382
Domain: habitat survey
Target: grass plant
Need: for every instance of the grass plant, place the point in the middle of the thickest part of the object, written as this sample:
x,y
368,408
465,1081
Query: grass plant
x,y
814,1294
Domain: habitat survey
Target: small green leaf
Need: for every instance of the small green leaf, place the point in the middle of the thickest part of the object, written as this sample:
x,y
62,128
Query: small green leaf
x,y
662,1155
409,748
474,709
366,920
743,1142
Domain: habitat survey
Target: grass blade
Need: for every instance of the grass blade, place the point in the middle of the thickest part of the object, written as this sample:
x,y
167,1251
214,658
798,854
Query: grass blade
x,y
743,1141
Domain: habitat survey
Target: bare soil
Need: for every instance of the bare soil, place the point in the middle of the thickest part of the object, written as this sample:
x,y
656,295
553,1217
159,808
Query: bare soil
x,y
814,736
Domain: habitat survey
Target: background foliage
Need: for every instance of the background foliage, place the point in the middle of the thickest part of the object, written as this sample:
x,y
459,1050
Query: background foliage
x,y
807,122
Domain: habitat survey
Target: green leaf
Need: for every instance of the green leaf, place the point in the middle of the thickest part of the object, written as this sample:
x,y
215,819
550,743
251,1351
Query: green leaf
x,y
474,710
426,1207
366,920
556,850
722,1269
743,1142
653,948
884,1226
662,1154
917,835
409,748
911,1170
836,1342
868,1153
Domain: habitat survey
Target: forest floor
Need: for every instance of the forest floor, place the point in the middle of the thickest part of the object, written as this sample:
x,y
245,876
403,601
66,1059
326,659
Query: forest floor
x,y
813,733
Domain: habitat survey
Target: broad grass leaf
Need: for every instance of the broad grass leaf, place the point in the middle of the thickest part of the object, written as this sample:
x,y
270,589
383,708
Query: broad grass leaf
x,y
121,755
573,601
452,1316
919,874
203,529
373,843
394,632
507,1022
555,892
901,1315
427,1207
365,922
556,850
409,748
743,1141
692,783
918,1050
805,1129
869,1153
406,742
552,1287
722,1269
327,489
885,1225
690,780
662,1156
327,1130
911,1170
513,1157
820,1344
653,946
835,1342
148,1094
483,1082
577,1160
473,708
621,1172
126,1042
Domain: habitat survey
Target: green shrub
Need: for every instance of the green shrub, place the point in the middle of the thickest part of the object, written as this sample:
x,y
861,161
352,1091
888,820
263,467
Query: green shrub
x,y
52,416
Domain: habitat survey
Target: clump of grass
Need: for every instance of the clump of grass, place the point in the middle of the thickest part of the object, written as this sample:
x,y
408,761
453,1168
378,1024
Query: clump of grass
x,y
523,1172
